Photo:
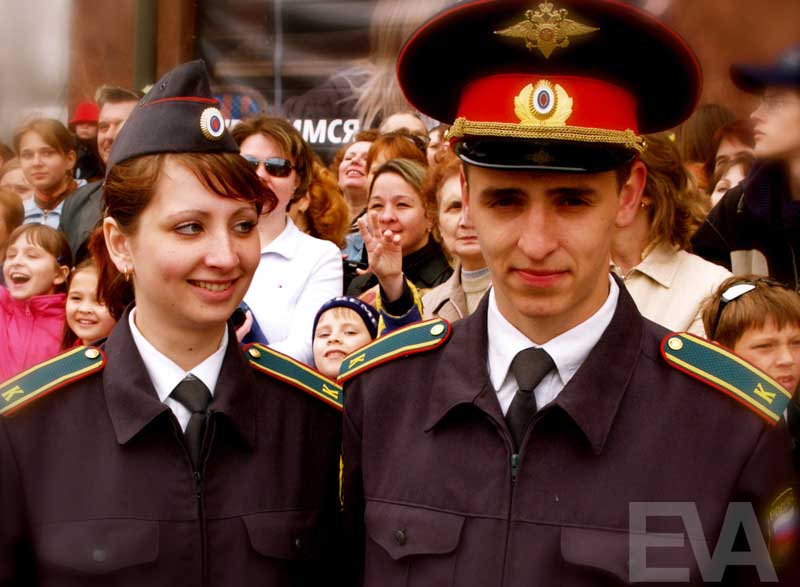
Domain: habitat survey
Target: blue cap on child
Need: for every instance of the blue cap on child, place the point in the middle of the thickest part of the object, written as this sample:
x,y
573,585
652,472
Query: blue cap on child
x,y
366,312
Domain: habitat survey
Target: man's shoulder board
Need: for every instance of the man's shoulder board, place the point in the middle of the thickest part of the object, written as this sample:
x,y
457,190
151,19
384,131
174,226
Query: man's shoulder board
x,y
727,372
415,338
295,373
49,376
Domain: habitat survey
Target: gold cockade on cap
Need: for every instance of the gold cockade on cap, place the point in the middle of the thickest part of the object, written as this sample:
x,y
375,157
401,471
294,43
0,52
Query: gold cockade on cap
x,y
546,28
543,104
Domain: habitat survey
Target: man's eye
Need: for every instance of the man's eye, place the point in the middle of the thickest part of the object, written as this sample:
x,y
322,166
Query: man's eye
x,y
188,228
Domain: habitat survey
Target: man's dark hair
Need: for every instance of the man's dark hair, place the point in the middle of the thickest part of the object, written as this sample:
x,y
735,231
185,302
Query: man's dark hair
x,y
114,94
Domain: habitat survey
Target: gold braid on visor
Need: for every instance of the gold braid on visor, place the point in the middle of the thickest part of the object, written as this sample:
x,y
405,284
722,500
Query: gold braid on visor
x,y
463,127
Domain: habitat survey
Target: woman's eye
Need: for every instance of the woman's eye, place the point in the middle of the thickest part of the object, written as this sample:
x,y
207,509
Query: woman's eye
x,y
188,228
375,207
245,227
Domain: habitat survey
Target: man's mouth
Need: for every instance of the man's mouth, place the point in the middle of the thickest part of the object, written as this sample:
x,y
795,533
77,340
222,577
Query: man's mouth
x,y
335,354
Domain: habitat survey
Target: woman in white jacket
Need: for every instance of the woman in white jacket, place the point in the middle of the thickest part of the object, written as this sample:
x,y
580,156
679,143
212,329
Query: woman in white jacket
x,y
297,272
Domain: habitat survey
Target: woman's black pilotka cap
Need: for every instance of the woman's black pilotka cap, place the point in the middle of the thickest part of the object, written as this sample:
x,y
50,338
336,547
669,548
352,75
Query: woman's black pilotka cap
x,y
178,115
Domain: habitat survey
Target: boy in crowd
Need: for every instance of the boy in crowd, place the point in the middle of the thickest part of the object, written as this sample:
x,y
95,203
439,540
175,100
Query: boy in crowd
x,y
759,319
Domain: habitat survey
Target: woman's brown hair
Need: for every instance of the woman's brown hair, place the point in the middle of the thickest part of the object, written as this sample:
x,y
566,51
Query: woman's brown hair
x,y
678,208
395,146
447,165
51,131
287,137
12,211
767,301
327,216
130,186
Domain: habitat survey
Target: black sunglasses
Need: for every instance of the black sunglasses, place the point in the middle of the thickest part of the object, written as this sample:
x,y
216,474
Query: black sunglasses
x,y
735,291
275,166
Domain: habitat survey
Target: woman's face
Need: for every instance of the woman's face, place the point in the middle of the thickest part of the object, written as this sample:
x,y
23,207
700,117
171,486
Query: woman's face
x,y
731,179
353,168
86,317
458,234
774,351
263,147
398,207
16,182
193,254
44,167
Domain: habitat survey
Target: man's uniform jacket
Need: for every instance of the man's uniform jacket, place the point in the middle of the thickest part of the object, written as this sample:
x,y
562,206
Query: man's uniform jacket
x,y
432,496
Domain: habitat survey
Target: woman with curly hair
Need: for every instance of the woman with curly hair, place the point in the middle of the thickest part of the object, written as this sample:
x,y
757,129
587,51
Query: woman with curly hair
x,y
667,282
322,211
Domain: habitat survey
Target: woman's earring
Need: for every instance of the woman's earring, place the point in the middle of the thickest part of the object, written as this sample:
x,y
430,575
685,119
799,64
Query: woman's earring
x,y
126,272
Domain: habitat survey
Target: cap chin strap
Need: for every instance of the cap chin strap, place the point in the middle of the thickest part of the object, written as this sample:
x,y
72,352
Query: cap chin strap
x,y
627,138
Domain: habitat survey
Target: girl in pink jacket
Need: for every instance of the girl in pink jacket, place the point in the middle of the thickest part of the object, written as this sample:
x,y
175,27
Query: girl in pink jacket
x,y
32,302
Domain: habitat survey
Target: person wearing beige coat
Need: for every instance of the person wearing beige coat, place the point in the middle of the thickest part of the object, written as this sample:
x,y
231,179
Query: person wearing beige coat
x,y
666,281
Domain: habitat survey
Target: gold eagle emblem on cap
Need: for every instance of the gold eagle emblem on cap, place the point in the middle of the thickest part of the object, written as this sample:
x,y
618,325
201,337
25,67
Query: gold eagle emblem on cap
x,y
543,104
546,29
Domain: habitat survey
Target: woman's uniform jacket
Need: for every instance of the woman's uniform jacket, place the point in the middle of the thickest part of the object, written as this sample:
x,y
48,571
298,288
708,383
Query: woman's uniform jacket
x,y
97,486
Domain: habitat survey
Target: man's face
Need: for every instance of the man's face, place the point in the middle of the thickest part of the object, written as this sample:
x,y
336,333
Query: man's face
x,y
112,117
777,124
546,238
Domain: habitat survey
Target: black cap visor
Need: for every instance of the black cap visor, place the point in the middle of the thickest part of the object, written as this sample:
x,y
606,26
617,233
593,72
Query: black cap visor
x,y
531,155
755,79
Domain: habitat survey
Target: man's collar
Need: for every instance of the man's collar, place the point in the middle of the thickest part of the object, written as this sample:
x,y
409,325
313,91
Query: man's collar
x,y
591,398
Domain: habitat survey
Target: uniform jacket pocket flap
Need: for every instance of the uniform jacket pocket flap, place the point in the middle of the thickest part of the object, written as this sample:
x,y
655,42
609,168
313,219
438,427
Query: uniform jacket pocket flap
x,y
405,531
98,546
604,550
290,535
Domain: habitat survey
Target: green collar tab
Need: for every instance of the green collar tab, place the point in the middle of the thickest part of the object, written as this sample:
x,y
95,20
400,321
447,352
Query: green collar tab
x,y
295,374
49,376
727,372
414,338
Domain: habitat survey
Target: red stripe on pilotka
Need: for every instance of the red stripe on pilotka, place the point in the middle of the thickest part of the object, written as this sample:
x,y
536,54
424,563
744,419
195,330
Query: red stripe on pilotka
x,y
595,103
183,99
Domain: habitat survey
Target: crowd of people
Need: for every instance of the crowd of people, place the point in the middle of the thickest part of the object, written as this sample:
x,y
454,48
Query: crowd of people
x,y
109,225
403,177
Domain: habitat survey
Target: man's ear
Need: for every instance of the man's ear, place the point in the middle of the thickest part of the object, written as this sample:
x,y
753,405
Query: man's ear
x,y
465,212
630,195
118,245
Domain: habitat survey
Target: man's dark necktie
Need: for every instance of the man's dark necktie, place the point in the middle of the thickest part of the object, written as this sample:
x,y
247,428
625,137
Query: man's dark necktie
x,y
529,368
192,394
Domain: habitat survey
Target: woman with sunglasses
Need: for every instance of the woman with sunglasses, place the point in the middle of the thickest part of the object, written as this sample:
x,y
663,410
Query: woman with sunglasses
x,y
297,272
166,455
759,319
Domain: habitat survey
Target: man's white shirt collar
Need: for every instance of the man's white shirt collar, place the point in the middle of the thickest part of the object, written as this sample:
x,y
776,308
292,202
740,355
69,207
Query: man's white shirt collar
x,y
568,350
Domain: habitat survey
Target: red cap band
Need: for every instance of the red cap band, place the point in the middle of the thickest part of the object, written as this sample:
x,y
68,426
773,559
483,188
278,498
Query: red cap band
x,y
595,103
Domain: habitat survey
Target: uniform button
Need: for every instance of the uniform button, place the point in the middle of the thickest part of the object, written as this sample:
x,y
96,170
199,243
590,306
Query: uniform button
x,y
400,537
99,555
298,544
